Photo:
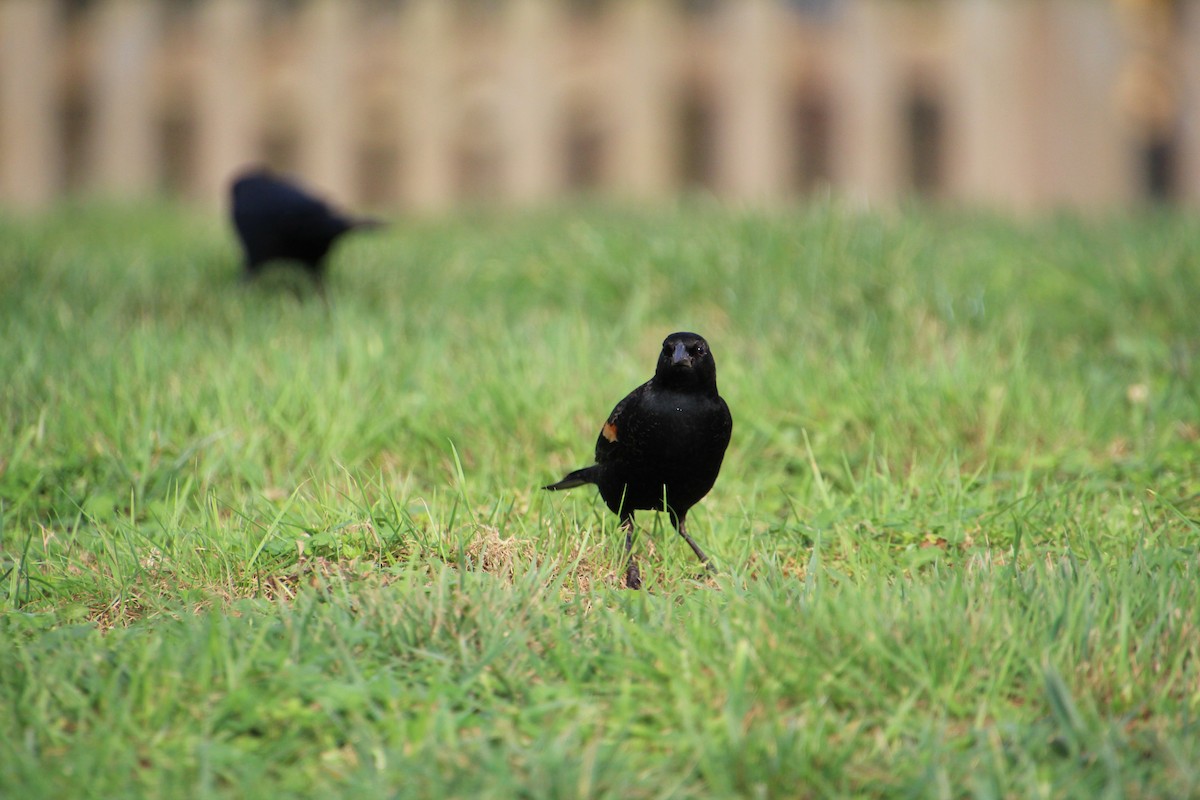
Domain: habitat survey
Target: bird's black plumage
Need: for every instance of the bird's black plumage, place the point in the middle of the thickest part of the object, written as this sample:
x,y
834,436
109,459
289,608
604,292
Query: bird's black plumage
x,y
276,220
664,442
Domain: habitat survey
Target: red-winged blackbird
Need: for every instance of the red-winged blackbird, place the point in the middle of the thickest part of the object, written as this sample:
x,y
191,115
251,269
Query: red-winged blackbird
x,y
665,440
277,220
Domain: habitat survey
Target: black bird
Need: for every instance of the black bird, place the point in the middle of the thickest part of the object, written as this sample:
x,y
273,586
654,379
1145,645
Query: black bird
x,y
277,220
665,440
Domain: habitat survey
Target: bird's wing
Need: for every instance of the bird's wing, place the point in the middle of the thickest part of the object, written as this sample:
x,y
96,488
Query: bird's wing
x,y
609,445
306,215
295,212
726,431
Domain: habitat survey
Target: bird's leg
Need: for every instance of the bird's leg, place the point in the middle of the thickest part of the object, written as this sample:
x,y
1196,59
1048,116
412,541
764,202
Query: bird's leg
x,y
679,526
633,578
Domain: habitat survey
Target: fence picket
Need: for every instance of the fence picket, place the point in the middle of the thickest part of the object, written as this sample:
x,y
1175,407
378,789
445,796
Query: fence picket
x,y
431,104
30,172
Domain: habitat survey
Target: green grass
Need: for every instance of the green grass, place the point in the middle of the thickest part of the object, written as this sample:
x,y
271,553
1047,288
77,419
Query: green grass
x,y
252,546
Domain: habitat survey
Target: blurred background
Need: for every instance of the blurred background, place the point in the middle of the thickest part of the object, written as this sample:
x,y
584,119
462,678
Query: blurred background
x,y
432,105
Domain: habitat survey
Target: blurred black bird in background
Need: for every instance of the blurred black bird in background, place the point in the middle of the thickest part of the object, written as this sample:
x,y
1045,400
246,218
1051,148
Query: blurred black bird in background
x,y
276,220
665,440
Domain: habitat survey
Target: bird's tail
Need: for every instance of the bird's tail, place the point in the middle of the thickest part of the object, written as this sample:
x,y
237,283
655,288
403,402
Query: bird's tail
x,y
577,478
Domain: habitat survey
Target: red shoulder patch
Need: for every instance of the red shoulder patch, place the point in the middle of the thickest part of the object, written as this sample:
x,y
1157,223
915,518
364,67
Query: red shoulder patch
x,y
609,431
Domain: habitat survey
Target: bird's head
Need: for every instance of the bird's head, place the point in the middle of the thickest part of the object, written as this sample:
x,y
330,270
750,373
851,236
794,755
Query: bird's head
x,y
686,363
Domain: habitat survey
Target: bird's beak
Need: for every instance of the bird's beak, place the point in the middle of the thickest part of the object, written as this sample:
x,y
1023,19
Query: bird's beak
x,y
680,356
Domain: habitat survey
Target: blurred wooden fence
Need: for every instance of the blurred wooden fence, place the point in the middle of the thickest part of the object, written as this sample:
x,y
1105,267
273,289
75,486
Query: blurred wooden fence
x,y
428,104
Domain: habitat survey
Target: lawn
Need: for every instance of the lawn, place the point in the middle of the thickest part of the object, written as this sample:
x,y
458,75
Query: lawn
x,y
253,544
